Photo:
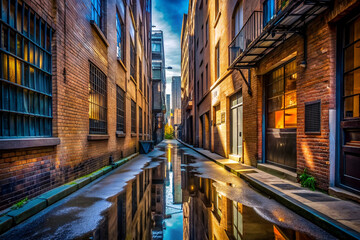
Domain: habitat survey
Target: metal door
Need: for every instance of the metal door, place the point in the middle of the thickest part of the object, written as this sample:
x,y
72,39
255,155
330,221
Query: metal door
x,y
236,123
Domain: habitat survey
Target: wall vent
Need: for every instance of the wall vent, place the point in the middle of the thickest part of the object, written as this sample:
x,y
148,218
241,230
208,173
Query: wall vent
x,y
313,117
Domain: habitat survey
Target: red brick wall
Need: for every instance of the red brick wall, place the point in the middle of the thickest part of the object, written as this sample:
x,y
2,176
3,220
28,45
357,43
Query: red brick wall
x,y
29,172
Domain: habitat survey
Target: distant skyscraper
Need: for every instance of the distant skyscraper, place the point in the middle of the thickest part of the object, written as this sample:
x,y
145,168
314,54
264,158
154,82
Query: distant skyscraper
x,y
176,93
168,108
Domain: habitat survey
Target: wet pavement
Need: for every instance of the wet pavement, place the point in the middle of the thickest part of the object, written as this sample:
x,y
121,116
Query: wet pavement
x,y
171,193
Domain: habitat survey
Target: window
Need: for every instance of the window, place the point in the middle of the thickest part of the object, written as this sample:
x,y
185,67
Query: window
x,y
217,59
237,221
25,73
97,13
120,109
206,78
238,19
132,61
140,76
140,121
120,37
202,84
133,116
268,10
207,32
351,52
97,101
281,97
156,47
216,8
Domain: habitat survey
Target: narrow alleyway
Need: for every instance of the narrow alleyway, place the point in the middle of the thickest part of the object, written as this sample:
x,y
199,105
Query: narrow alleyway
x,y
177,194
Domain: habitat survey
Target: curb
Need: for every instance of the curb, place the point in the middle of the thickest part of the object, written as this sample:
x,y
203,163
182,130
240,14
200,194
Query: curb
x,y
332,226
33,206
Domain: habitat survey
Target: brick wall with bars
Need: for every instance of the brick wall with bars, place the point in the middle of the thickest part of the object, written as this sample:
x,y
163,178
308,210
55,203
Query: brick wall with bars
x,y
31,171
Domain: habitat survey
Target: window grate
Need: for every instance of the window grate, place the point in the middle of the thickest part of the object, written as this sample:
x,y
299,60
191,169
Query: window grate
x,y
120,109
133,116
313,117
97,101
25,72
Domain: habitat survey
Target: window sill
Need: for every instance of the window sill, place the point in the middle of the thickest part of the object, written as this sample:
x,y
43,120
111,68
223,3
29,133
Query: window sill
x,y
95,137
140,134
133,134
122,64
133,80
19,143
217,19
120,134
99,32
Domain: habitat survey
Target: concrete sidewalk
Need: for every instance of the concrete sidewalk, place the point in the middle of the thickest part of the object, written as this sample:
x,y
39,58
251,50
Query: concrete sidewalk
x,y
339,217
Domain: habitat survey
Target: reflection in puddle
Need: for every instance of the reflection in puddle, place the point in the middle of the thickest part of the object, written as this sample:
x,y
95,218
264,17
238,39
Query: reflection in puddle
x,y
169,200
176,195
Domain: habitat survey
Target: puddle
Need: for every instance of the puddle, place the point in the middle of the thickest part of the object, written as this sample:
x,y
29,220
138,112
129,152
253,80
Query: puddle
x,y
175,195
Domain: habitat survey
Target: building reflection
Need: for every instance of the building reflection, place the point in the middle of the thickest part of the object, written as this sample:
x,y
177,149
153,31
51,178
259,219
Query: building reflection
x,y
210,215
158,199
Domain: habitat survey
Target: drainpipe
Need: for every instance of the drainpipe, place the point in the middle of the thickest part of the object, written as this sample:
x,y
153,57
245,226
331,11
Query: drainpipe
x,y
303,64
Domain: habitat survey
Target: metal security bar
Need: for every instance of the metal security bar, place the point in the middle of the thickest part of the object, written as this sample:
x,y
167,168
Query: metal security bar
x,y
120,109
140,121
250,31
97,101
25,72
133,116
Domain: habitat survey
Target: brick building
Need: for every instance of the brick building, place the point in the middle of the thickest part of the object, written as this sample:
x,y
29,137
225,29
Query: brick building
x,y
74,89
276,85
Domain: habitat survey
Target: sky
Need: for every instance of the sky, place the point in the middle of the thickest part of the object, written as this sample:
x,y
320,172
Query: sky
x,y
167,16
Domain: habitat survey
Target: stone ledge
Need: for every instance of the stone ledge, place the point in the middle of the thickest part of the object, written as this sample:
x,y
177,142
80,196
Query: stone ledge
x,y
343,194
6,223
99,32
58,193
94,137
19,143
29,209
120,134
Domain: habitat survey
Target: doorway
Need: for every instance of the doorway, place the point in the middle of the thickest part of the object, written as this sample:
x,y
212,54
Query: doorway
x,y
236,124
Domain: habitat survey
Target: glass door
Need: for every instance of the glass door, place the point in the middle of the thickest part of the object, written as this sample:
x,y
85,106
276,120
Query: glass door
x,y
236,123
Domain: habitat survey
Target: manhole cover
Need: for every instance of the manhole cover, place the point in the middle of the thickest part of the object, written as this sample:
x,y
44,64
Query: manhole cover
x,y
286,186
315,197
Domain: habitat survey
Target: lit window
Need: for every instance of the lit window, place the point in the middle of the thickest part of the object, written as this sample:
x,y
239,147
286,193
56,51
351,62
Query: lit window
x,y
25,73
282,98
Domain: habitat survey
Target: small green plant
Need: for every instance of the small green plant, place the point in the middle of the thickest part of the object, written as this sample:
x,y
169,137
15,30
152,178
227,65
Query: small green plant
x,y
169,132
20,204
307,181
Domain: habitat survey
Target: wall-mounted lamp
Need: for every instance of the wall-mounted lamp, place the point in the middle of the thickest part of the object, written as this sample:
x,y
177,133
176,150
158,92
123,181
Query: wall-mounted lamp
x,y
303,64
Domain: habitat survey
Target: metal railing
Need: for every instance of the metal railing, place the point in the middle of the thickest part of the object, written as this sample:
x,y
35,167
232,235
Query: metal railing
x,y
249,32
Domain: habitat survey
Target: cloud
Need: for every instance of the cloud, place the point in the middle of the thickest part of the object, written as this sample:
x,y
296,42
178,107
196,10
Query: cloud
x,y
167,16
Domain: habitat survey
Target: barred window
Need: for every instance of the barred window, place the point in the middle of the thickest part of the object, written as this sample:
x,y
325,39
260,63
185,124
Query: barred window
x,y
97,101
133,116
140,121
132,61
97,14
25,72
120,37
120,109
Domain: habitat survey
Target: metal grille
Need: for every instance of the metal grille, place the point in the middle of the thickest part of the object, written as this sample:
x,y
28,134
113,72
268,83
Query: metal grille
x,y
120,109
140,121
133,116
97,101
313,117
25,72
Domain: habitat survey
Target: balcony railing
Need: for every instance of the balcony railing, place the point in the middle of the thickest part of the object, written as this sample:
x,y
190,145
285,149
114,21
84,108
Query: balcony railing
x,y
249,32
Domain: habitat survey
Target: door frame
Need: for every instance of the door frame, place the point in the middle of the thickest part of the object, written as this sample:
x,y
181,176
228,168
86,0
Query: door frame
x,y
231,125
339,139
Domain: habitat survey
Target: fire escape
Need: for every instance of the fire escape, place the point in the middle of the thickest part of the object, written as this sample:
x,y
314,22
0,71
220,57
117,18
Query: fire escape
x,y
267,29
